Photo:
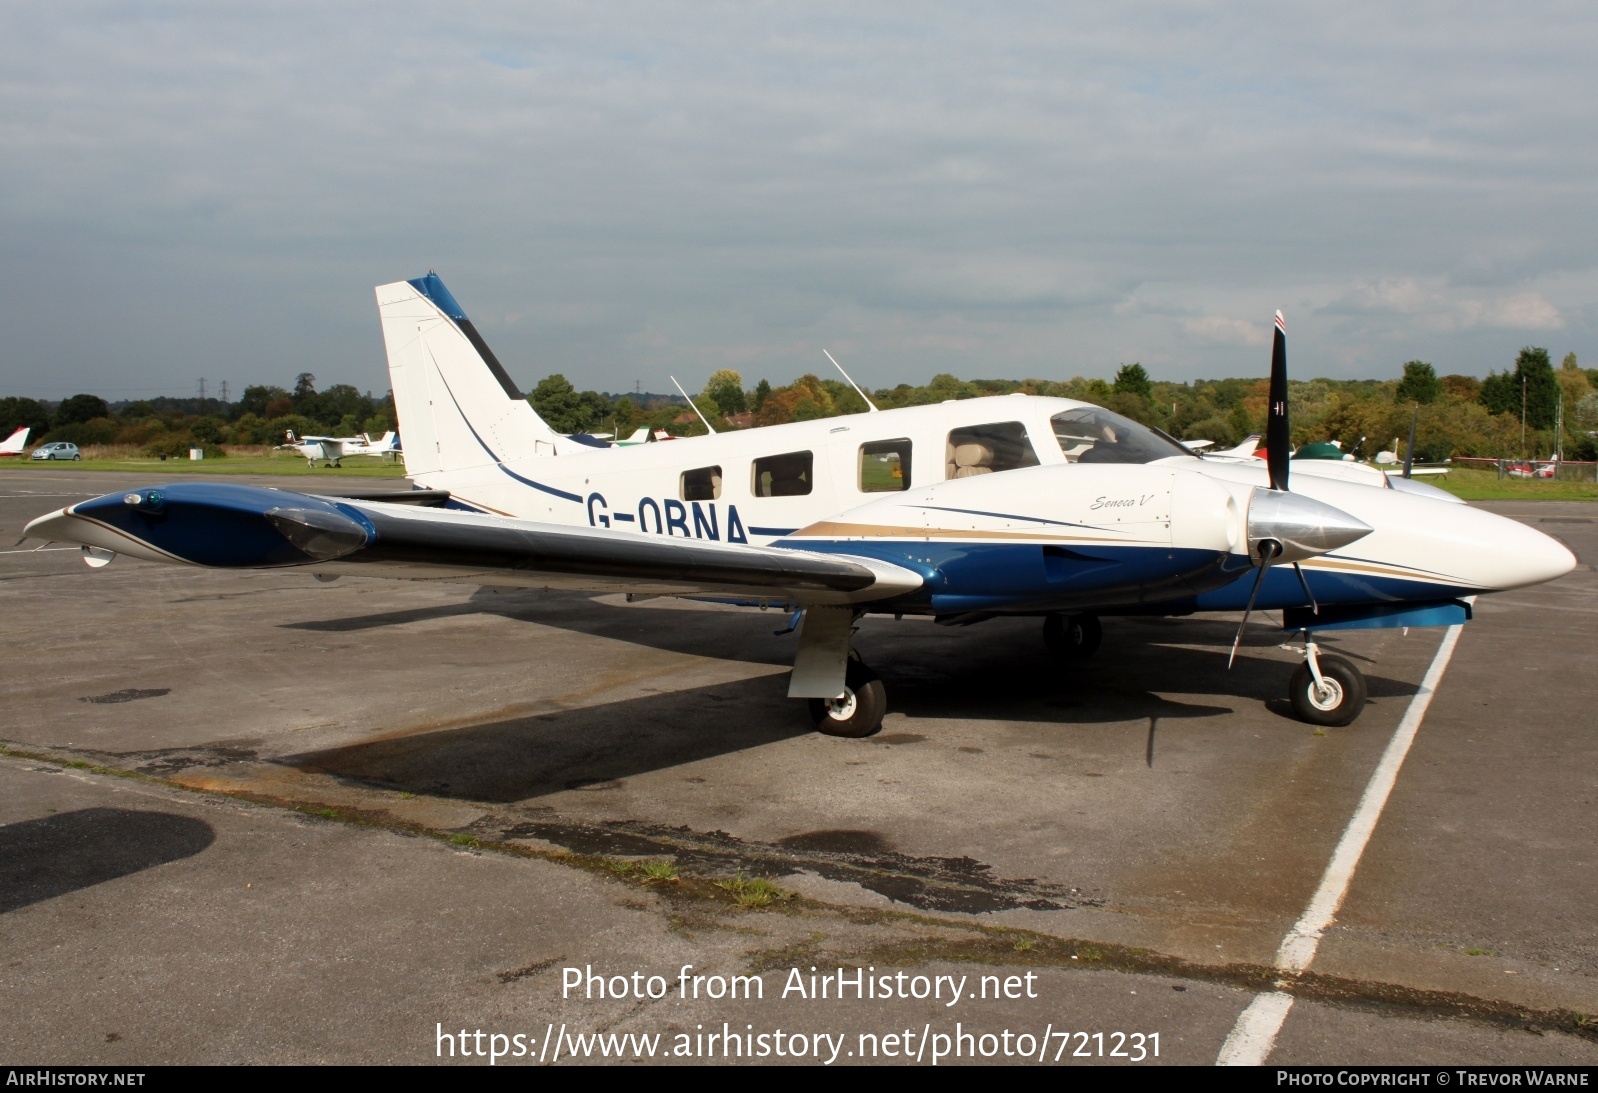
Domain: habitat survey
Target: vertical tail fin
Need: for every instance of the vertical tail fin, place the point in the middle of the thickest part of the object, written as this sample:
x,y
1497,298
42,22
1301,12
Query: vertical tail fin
x,y
457,406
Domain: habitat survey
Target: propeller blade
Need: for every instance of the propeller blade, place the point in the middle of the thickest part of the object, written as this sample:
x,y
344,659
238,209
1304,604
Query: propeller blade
x,y
1267,552
1277,438
1303,581
1409,449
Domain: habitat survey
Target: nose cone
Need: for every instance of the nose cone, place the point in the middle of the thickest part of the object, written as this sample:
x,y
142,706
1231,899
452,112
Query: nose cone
x,y
1302,525
1522,556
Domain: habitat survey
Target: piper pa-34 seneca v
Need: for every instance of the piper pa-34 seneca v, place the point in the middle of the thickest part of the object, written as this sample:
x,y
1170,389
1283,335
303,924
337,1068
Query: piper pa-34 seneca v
x,y
1010,505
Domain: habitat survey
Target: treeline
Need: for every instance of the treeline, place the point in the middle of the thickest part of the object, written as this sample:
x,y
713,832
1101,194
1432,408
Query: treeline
x,y
171,426
1457,415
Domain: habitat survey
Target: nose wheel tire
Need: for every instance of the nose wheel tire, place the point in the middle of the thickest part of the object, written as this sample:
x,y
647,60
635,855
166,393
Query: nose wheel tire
x,y
1337,701
858,711
1072,637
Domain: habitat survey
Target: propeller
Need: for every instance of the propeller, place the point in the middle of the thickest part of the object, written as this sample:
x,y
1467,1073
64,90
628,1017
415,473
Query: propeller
x,y
1283,526
1268,550
1277,437
1409,449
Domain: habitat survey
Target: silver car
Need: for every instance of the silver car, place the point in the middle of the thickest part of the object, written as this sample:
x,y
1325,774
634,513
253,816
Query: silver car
x,y
61,449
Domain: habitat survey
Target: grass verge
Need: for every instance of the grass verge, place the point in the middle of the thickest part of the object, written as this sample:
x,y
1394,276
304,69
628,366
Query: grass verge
x,y
284,465
1472,484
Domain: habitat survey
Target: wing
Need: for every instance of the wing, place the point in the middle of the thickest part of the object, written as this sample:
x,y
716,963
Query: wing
x,y
246,527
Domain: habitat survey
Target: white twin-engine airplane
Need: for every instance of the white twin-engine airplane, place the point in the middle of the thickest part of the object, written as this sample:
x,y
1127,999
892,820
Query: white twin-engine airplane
x,y
335,448
1011,505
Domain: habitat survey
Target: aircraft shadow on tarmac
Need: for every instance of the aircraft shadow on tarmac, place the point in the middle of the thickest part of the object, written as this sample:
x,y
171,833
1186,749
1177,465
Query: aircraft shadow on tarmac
x,y
54,855
1003,659
587,748
931,673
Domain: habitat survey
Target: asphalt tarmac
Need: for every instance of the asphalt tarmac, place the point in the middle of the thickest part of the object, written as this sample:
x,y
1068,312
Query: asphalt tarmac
x,y
261,818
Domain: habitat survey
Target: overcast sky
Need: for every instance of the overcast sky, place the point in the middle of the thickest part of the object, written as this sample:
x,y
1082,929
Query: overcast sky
x,y
620,192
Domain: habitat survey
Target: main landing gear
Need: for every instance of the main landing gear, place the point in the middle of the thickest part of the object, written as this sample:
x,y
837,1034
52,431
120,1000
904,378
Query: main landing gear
x,y
1072,637
844,696
858,711
1326,690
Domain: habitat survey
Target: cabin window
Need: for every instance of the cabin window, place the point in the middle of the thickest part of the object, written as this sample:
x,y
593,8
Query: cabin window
x,y
789,475
984,449
703,484
1089,434
885,466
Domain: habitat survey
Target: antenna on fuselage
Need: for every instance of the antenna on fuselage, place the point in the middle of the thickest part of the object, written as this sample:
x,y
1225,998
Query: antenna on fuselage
x,y
852,383
697,410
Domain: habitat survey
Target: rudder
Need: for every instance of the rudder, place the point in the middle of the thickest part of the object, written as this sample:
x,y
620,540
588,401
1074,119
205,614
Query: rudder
x,y
458,407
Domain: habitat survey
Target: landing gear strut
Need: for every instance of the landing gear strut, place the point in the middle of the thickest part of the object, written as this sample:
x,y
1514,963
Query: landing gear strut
x,y
1326,690
1072,637
858,711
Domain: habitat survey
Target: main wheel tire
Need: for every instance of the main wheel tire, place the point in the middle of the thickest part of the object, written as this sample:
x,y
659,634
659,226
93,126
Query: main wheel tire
x,y
1341,701
1072,637
858,711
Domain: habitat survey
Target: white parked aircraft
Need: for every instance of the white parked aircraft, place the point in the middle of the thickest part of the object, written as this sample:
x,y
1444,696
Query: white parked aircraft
x,y
332,449
1245,450
1392,459
16,442
1010,505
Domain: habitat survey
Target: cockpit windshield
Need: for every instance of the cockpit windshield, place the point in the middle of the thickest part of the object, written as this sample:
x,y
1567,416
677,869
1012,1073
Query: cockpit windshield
x,y
1089,434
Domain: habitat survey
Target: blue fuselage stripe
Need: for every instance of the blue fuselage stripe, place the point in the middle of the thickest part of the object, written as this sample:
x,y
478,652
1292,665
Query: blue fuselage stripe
x,y
498,462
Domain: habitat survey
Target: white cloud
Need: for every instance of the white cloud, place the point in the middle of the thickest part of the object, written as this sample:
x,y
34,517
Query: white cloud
x,y
1216,330
194,188
1445,309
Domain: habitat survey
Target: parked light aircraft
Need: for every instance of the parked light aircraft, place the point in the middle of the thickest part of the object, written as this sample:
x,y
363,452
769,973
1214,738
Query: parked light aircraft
x,y
1391,459
1245,450
16,442
1007,505
332,449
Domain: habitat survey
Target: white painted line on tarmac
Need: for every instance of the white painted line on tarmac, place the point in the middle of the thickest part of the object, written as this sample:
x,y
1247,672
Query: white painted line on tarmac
x,y
1254,1035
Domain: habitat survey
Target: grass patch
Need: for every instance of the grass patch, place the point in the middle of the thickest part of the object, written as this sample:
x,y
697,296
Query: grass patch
x,y
660,871
753,891
1475,484
463,839
288,465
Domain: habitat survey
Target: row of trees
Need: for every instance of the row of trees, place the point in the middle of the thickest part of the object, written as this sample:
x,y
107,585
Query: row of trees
x,y
168,426
1457,415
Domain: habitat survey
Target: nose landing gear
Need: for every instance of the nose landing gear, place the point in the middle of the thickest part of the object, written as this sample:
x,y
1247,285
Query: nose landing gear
x,y
1327,690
